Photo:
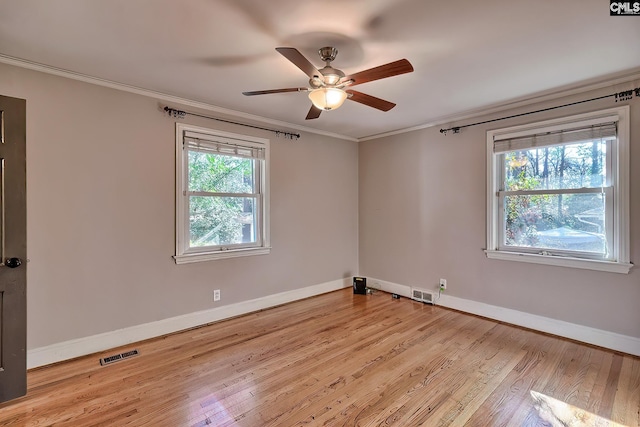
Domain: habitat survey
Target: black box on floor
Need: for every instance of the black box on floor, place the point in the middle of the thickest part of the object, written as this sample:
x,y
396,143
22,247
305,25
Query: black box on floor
x,y
360,285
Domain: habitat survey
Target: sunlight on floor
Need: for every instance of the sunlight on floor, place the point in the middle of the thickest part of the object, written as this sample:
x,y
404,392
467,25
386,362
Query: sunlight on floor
x,y
560,414
209,411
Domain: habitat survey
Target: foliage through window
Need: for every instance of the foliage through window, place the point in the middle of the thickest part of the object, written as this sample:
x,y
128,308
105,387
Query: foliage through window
x,y
556,189
222,204
572,216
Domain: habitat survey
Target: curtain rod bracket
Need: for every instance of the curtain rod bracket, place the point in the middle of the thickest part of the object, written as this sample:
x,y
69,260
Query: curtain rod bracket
x,y
454,129
179,114
625,95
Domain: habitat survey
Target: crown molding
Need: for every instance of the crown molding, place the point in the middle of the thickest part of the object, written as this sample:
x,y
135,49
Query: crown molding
x,y
18,62
623,78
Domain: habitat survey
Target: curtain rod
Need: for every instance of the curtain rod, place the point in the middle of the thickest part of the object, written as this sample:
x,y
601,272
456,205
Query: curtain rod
x,y
620,96
180,114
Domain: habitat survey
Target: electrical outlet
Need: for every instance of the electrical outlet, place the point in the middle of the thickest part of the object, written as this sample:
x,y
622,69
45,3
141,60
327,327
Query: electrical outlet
x,y
443,284
216,295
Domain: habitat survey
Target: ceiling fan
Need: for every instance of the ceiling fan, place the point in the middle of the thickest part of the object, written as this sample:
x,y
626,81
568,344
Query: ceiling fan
x,y
328,85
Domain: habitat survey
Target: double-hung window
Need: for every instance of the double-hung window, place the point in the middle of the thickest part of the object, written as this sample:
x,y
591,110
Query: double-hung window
x,y
221,195
558,192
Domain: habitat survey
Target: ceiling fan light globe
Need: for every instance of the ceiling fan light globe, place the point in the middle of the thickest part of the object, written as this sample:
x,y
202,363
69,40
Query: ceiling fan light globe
x,y
327,98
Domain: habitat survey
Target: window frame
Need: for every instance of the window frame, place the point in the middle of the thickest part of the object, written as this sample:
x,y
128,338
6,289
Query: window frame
x,y
617,172
184,253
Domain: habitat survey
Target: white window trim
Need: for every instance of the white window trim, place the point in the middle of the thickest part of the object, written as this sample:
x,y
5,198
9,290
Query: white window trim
x,y
184,255
621,196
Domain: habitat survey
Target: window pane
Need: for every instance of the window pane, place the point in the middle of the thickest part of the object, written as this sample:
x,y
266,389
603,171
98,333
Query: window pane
x,y
216,221
571,222
220,173
579,165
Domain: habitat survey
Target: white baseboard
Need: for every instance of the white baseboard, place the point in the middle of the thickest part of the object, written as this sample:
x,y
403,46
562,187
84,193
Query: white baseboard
x,y
87,345
586,334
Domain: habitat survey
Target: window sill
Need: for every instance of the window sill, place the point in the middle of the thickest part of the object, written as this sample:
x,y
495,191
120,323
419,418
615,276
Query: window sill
x,y
586,264
211,256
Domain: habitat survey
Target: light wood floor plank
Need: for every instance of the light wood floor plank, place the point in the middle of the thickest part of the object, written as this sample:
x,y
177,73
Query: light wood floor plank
x,y
626,410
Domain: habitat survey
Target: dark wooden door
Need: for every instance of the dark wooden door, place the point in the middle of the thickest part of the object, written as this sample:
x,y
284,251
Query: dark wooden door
x,y
13,249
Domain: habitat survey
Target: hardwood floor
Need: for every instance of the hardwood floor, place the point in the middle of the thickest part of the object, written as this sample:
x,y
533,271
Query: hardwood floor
x,y
341,360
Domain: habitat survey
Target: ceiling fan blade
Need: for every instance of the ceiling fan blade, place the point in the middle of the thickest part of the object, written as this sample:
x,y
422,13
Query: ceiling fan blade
x,y
299,61
371,101
313,113
266,92
381,72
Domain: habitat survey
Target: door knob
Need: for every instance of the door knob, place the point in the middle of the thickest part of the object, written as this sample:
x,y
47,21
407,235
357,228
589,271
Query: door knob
x,y
13,262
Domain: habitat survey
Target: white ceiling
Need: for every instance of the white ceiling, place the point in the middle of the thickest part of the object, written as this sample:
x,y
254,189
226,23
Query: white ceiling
x,y
467,55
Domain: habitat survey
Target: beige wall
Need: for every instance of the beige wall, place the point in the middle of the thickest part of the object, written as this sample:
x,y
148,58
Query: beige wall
x,y
100,171
101,218
423,217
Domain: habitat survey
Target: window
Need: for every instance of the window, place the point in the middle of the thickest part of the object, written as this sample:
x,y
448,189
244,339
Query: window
x,y
221,195
558,192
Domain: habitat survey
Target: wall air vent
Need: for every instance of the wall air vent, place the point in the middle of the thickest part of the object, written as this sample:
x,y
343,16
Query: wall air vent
x,y
423,295
117,357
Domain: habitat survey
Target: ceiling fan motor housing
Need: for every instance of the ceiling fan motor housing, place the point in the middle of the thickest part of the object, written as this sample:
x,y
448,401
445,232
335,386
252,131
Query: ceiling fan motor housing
x,y
331,76
328,53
